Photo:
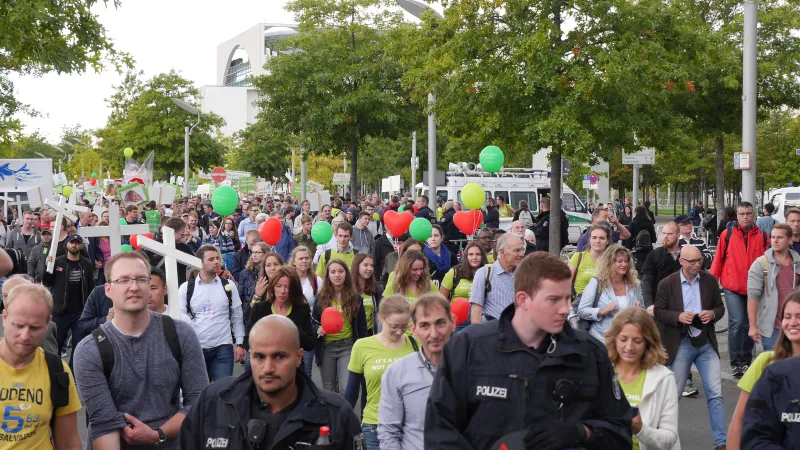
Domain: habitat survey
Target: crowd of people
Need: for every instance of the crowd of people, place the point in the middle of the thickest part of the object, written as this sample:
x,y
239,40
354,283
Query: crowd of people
x,y
591,354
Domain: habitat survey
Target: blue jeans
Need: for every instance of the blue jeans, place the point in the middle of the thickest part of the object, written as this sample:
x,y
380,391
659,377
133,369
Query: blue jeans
x,y
707,362
769,342
370,436
739,343
308,362
219,362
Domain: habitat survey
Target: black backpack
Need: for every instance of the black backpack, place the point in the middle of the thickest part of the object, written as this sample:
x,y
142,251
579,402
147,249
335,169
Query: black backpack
x,y
59,383
190,293
487,285
107,350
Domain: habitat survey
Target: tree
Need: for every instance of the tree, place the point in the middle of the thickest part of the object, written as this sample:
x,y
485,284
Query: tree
x,y
42,36
261,150
144,118
335,84
508,74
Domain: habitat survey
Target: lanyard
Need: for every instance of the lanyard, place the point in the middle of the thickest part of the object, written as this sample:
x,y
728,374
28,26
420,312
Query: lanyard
x,y
421,357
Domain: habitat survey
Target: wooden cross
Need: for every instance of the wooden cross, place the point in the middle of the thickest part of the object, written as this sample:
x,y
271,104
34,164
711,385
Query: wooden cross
x,y
172,257
62,210
114,231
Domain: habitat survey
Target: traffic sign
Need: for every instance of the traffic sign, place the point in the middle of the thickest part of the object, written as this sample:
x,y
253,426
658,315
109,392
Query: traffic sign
x,y
219,174
646,155
593,178
741,161
586,183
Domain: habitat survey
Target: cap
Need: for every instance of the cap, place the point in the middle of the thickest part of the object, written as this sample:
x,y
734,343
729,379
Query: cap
x,y
47,230
74,237
683,218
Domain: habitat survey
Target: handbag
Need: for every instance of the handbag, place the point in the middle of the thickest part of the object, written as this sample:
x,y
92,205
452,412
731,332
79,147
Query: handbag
x,y
575,320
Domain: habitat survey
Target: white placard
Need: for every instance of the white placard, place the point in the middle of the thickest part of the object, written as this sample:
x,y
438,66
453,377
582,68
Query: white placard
x,y
162,194
647,155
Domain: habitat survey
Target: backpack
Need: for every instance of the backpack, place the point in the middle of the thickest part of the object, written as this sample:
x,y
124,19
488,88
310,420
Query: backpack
x,y
59,383
729,228
107,350
526,217
575,320
765,267
190,293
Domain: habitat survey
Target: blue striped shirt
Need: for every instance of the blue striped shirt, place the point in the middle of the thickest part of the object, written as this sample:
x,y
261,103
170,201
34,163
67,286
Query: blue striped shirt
x,y
501,294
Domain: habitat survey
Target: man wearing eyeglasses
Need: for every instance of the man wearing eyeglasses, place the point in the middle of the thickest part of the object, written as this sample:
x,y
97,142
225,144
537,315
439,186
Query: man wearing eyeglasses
x,y
688,304
139,397
739,245
70,283
486,240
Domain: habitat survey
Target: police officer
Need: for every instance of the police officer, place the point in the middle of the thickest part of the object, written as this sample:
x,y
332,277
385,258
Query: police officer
x,y
528,372
772,414
275,407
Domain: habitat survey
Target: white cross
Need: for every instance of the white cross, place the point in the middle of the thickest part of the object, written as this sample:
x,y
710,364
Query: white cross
x,y
62,210
172,257
114,230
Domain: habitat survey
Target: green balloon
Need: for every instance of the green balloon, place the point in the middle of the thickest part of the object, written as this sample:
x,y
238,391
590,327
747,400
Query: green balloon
x,y
94,174
128,152
401,208
322,232
473,195
492,159
123,221
225,200
420,229
126,248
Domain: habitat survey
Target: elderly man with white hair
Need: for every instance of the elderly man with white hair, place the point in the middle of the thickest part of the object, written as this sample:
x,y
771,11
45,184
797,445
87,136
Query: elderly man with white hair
x,y
487,304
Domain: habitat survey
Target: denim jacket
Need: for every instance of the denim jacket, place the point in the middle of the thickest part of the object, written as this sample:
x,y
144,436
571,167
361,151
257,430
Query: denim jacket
x,y
601,324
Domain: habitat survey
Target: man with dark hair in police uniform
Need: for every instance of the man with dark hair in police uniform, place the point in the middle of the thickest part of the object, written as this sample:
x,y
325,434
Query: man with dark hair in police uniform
x,y
275,406
528,377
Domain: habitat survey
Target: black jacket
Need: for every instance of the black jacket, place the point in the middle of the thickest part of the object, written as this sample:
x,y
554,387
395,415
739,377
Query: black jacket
x,y
451,231
57,282
301,317
658,265
221,414
541,229
771,415
240,261
383,246
491,217
427,213
639,224
490,384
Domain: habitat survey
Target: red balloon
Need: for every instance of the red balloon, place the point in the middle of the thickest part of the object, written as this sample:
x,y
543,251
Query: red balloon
x,y
416,209
332,320
468,221
270,231
135,242
460,309
397,223
93,181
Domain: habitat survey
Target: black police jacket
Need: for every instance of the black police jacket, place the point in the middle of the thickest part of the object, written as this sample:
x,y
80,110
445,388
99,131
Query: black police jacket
x,y
772,414
490,384
219,418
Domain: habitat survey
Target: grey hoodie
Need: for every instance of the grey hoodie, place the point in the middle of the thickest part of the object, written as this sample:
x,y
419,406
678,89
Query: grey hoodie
x,y
15,240
363,240
766,294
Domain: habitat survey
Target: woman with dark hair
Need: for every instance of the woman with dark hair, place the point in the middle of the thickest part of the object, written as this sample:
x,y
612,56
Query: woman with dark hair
x,y
640,222
411,278
458,281
440,259
363,270
332,351
786,346
728,219
391,259
627,215
285,298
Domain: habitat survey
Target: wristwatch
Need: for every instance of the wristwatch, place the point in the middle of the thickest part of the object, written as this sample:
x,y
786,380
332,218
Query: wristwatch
x,y
240,345
161,437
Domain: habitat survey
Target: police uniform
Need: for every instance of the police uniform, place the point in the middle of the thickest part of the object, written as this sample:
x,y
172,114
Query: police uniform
x,y
490,384
772,414
219,419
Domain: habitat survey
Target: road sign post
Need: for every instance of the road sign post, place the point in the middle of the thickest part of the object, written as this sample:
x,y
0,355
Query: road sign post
x,y
219,174
647,155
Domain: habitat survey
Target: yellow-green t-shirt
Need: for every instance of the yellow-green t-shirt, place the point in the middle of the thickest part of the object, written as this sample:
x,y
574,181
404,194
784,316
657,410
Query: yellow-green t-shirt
x,y
370,358
369,308
586,269
633,392
347,329
390,289
346,257
463,288
754,372
506,211
27,410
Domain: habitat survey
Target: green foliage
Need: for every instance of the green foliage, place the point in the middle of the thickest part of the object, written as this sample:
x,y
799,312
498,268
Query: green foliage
x,y
41,36
144,118
262,151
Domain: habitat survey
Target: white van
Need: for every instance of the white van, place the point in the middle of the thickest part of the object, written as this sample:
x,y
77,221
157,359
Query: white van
x,y
514,185
783,199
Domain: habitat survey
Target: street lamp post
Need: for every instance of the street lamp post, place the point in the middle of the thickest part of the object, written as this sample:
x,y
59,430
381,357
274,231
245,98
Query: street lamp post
x,y
188,132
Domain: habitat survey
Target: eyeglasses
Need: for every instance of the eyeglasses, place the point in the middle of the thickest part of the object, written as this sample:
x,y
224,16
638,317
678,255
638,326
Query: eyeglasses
x,y
692,261
392,327
127,281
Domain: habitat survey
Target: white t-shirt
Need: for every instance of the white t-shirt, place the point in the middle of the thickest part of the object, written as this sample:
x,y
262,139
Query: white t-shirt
x,y
212,321
622,302
308,290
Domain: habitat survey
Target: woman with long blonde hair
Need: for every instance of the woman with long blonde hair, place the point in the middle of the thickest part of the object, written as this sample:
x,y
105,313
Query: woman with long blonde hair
x,y
411,277
634,348
250,279
332,351
614,287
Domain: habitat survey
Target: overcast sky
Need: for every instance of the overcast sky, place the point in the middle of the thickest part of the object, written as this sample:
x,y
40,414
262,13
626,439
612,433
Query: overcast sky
x,y
160,35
